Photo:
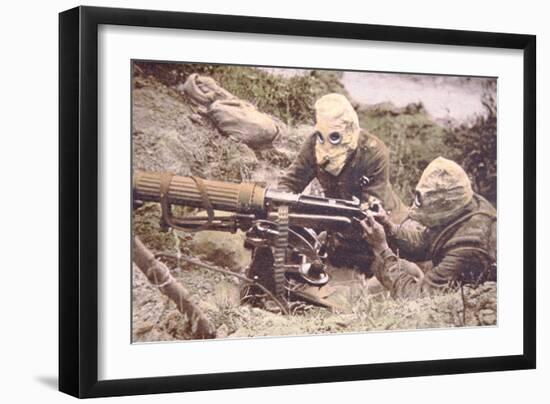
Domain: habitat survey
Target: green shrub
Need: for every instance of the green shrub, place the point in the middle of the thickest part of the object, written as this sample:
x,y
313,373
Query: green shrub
x,y
474,146
413,139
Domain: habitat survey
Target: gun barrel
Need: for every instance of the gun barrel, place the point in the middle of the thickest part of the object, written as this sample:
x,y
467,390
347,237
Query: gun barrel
x,y
242,198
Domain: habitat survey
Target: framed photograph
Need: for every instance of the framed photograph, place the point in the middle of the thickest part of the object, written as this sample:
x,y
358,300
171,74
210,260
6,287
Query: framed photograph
x,y
251,201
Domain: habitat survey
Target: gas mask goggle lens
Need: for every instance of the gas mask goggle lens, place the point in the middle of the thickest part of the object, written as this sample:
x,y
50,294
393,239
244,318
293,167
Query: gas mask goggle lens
x,y
417,199
333,138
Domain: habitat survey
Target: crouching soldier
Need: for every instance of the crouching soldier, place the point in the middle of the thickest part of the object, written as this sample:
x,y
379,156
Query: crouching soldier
x,y
451,225
348,163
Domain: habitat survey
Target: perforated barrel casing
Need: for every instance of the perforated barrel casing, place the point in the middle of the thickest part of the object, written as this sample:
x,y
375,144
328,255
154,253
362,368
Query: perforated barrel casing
x,y
241,198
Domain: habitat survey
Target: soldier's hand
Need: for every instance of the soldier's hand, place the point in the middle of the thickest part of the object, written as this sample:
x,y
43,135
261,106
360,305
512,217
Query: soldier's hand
x,y
374,205
373,232
382,216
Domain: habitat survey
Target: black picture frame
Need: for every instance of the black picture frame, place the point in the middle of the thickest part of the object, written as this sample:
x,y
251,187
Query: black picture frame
x,y
78,196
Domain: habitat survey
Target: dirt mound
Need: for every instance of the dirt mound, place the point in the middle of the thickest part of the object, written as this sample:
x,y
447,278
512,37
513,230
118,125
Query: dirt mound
x,y
169,136
156,318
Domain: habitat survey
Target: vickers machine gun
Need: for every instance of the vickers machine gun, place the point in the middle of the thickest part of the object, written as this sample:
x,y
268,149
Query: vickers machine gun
x,y
285,231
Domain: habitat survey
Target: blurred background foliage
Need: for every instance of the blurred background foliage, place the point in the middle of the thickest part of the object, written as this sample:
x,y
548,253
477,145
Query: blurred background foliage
x,y
474,146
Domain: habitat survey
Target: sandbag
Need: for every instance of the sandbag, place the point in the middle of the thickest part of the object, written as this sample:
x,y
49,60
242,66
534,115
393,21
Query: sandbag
x,y
241,121
204,90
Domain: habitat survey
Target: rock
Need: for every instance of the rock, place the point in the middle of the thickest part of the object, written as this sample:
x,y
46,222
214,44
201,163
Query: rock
x,y
196,118
143,328
239,163
390,109
223,249
487,317
223,331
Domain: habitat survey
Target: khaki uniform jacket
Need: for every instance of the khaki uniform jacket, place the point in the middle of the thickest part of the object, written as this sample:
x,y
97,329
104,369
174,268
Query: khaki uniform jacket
x,y
462,252
370,160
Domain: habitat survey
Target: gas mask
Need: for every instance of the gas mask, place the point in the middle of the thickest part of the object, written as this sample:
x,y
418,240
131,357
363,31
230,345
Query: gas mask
x,y
336,132
442,193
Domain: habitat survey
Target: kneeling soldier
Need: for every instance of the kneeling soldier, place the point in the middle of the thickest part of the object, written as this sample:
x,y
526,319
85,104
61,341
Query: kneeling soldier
x,y
349,163
451,225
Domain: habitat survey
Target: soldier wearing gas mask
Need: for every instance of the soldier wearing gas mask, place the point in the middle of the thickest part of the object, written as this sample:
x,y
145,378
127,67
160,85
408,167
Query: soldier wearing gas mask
x,y
448,224
348,162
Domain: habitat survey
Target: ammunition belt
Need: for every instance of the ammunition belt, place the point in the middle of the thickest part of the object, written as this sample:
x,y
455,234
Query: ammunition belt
x,y
279,251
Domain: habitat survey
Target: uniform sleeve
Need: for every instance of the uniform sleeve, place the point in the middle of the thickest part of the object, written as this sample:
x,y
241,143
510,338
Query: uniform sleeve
x,y
301,171
393,274
412,239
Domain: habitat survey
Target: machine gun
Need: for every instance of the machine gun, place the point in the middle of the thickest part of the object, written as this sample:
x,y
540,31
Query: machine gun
x,y
285,231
